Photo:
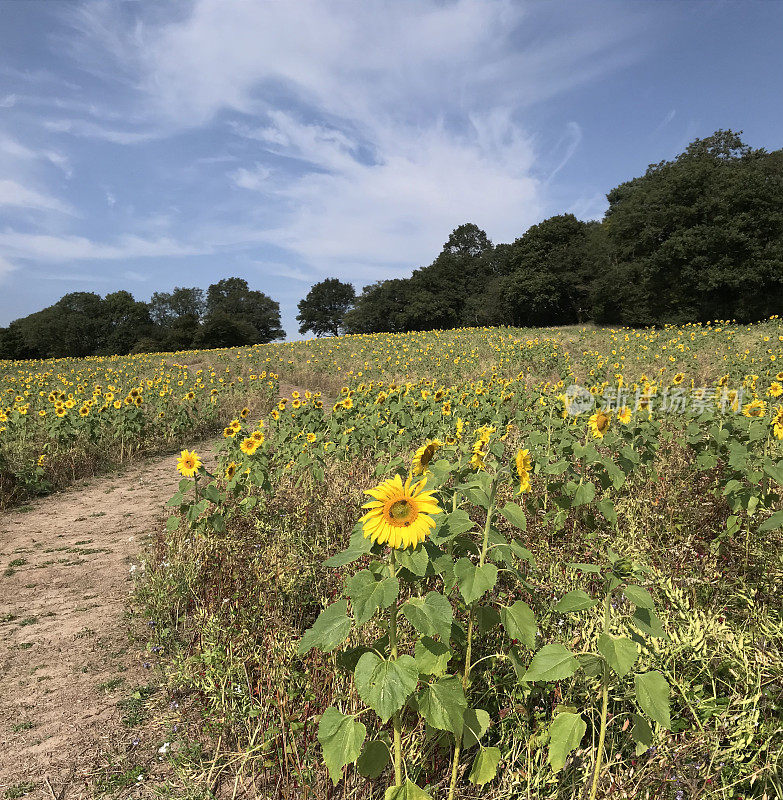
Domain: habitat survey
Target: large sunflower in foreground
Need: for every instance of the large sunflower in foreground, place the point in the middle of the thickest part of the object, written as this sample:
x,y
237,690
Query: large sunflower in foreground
x,y
189,463
399,514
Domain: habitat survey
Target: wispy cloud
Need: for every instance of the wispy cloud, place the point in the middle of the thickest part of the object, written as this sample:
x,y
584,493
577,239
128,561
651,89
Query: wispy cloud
x,y
14,194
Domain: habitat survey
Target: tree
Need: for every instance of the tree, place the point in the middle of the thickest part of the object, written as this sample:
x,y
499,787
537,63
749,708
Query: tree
x,y
233,297
548,274
125,322
380,308
223,330
697,238
323,310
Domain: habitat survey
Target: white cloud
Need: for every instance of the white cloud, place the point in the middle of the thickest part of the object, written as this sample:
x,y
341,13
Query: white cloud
x,y
58,249
254,179
572,140
8,101
19,151
14,194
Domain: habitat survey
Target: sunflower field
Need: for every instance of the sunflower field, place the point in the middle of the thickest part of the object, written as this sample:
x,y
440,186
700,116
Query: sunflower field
x,y
491,563
65,419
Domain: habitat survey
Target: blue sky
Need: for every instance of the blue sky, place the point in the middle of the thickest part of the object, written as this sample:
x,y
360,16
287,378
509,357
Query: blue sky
x,y
145,145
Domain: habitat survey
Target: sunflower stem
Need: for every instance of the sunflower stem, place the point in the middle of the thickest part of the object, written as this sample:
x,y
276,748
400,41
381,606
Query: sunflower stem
x,y
469,646
604,702
393,654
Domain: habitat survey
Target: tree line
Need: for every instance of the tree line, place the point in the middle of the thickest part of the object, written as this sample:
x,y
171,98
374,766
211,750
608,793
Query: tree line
x,y
693,239
83,324
696,238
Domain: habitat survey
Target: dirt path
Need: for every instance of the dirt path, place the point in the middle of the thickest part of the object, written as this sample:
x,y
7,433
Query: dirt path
x,y
65,651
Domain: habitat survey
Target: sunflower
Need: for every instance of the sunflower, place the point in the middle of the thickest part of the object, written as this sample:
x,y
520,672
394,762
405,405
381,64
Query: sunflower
x,y
311,437
231,470
249,445
599,424
189,463
775,390
524,464
624,415
244,412
423,456
777,422
258,436
755,408
228,432
399,515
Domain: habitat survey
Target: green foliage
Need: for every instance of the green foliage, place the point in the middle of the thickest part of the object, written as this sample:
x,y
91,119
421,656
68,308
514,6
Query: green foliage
x,y
323,310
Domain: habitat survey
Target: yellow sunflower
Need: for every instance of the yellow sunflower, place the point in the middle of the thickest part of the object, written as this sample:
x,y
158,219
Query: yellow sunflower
x,y
424,455
231,470
189,463
399,515
777,422
524,464
624,415
599,424
249,445
755,408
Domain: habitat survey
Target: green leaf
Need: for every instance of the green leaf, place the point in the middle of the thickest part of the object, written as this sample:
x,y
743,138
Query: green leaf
x,y
432,657
639,597
415,561
575,601
487,618
642,733
652,694
515,515
430,615
443,704
475,725
773,523
585,493
520,623
620,652
648,622
474,581
485,766
565,733
385,685
552,662
374,758
330,629
408,791
451,525
341,738
358,547
368,594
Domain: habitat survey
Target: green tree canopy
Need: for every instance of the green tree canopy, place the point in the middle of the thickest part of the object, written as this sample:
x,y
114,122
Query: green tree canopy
x,y
323,310
697,238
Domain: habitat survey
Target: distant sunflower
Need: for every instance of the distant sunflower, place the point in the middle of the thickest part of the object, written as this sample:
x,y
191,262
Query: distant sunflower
x,y
777,422
678,379
524,465
424,455
599,424
249,445
624,415
189,463
755,408
231,470
399,515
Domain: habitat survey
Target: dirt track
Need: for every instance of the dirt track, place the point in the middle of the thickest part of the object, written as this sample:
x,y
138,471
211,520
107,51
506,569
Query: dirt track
x,y
65,653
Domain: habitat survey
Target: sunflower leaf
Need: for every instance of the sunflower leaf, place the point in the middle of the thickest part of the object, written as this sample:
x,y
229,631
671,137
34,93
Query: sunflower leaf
x,y
341,739
474,581
385,685
551,663
430,615
443,704
368,594
329,630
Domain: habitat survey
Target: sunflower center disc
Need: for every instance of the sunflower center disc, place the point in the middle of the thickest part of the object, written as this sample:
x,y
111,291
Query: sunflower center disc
x,y
400,510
